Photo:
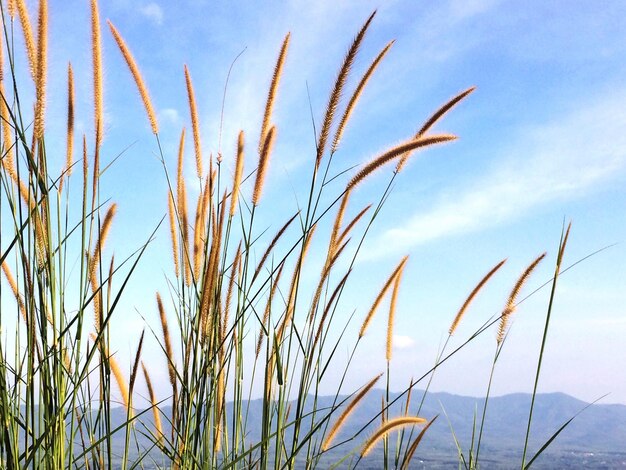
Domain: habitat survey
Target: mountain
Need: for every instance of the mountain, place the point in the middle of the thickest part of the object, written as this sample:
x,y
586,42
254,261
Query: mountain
x,y
595,439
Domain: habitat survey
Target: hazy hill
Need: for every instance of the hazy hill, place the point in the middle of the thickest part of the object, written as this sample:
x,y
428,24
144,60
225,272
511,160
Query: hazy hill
x,y
596,439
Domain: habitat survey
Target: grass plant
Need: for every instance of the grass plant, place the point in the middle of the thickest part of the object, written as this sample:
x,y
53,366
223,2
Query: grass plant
x,y
60,381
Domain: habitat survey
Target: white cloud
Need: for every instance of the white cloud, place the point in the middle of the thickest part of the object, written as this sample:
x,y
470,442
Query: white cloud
x,y
464,9
170,115
402,342
556,162
153,12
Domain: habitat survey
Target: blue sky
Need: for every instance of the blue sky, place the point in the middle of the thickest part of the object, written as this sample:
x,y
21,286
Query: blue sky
x,y
543,138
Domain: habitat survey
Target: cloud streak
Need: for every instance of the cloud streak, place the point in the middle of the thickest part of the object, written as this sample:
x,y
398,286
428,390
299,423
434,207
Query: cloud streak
x,y
560,161
153,11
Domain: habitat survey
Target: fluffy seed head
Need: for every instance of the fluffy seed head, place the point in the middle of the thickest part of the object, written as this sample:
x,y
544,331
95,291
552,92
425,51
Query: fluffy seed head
x,y
271,95
413,447
392,313
238,174
134,70
41,71
380,296
395,152
335,95
153,403
387,427
263,164
356,95
512,300
29,40
349,409
433,120
195,125
468,301
96,55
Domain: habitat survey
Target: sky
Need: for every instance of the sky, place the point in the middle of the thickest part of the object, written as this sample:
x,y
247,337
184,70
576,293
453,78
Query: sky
x,y
542,141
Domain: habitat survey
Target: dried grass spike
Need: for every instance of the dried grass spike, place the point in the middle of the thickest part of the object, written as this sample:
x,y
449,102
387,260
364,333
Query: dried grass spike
x,y
29,38
11,8
134,70
238,174
96,52
443,110
337,223
356,95
271,95
173,232
133,374
42,68
120,380
104,232
198,236
392,313
335,95
346,413
511,302
352,223
380,296
433,120
153,403
69,154
414,444
169,352
263,164
387,427
195,125
479,286
395,152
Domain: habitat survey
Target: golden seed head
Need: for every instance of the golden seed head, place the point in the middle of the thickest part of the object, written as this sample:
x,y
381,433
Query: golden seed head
x,y
392,313
387,427
153,402
41,71
238,174
346,413
96,54
335,95
120,380
511,302
380,296
271,95
356,95
29,40
396,152
263,164
134,70
479,286
195,125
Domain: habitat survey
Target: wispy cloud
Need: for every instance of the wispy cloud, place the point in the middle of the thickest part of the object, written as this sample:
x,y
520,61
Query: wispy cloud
x,y
153,12
402,342
170,115
560,161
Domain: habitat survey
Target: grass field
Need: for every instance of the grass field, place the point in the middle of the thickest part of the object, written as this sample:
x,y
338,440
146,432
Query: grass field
x,y
237,321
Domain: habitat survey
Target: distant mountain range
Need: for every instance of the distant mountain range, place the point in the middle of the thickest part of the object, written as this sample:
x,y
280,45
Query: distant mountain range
x,y
595,439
